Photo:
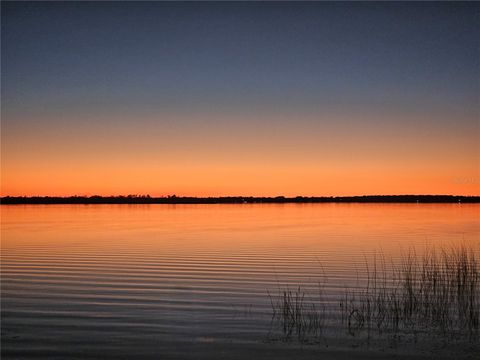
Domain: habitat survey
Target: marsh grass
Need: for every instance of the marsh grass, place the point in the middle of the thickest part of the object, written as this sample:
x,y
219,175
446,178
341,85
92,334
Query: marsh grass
x,y
298,314
436,294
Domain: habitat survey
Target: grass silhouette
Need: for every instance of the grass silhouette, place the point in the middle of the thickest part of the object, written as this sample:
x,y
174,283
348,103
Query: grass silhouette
x,y
437,294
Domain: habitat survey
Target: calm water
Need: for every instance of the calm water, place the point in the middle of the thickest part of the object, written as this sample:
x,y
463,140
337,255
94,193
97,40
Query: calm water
x,y
110,280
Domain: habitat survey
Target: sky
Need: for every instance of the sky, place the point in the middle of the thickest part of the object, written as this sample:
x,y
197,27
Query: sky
x,y
232,98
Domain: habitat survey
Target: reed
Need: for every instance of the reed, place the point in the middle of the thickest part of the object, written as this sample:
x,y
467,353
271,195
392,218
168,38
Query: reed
x,y
298,314
436,294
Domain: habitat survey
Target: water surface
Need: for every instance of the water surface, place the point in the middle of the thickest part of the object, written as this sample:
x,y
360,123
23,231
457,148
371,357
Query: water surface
x,y
143,280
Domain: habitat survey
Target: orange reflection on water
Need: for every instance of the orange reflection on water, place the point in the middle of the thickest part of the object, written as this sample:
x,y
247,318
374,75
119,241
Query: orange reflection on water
x,y
230,231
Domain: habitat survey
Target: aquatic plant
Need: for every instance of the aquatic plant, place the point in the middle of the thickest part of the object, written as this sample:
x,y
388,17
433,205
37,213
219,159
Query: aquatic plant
x,y
435,294
298,314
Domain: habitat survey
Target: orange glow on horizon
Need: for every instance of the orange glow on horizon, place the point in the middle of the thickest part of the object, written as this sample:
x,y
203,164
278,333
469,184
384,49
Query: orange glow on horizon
x,y
251,160
247,181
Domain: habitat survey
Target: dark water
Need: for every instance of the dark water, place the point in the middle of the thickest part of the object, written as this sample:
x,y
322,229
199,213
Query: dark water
x,y
127,281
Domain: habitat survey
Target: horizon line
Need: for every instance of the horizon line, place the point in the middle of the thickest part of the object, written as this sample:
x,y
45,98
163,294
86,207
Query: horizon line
x,y
223,196
174,199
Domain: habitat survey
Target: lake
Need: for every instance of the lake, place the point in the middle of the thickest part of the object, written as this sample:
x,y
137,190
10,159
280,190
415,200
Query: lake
x,y
173,281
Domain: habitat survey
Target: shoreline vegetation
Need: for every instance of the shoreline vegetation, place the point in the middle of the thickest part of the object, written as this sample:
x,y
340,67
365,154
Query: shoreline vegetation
x,y
173,199
436,295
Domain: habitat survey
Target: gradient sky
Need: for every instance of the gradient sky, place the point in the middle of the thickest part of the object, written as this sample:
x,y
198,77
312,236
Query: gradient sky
x,y
240,98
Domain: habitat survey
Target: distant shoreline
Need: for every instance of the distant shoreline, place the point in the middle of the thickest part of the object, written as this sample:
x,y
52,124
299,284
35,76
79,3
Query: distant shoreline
x,y
136,199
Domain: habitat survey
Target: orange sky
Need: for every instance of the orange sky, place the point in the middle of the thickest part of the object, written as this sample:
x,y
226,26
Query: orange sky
x,y
250,159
